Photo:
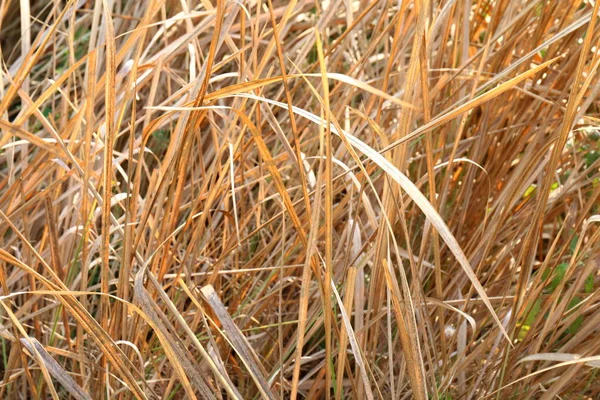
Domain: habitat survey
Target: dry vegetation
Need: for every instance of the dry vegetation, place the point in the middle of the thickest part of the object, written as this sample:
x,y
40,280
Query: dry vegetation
x,y
316,199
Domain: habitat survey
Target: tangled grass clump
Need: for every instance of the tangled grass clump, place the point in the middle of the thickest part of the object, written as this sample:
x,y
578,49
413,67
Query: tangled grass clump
x,y
307,199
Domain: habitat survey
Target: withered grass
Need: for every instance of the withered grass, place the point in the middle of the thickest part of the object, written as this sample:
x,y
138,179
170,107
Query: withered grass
x,y
307,199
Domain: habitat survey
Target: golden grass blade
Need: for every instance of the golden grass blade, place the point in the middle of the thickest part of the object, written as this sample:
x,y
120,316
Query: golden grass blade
x,y
345,308
407,333
54,368
353,344
311,249
246,87
184,368
583,360
239,342
109,98
558,357
288,98
328,307
27,136
218,369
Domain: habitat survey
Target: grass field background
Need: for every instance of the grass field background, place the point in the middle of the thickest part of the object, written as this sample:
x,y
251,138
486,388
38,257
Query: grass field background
x,y
366,199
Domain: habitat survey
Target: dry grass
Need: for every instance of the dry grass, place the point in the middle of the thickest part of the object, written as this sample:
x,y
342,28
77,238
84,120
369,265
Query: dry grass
x,y
330,199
